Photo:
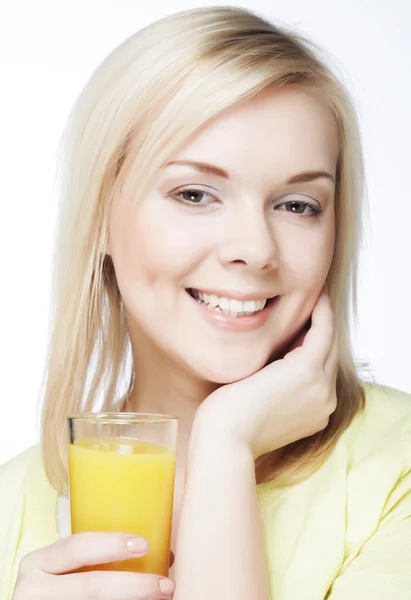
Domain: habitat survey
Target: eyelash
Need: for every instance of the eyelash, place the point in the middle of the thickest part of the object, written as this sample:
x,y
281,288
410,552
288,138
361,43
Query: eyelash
x,y
316,210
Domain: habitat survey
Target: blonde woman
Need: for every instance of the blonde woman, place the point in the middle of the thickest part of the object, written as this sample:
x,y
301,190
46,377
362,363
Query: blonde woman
x,y
210,223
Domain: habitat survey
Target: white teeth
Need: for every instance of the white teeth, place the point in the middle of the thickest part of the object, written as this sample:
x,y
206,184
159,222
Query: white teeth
x,y
213,300
249,305
224,303
237,306
228,306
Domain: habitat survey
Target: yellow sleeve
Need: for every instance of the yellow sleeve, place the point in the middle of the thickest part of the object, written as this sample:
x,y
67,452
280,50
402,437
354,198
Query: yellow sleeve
x,y
12,479
382,568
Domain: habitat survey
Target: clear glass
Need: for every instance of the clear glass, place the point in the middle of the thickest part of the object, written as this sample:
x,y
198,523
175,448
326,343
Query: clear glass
x,y
121,473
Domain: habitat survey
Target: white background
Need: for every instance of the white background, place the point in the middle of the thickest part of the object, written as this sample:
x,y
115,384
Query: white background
x,y
49,49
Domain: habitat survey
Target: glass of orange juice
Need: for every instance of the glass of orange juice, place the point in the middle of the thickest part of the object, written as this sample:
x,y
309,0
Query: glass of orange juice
x,y
121,471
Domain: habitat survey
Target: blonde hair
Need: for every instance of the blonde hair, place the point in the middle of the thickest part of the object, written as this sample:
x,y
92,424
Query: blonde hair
x,y
140,105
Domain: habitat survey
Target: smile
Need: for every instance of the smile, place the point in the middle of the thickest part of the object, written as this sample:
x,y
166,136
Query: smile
x,y
230,307
248,315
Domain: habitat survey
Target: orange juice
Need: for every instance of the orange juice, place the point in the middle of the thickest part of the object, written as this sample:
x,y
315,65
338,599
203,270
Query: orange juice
x,y
120,484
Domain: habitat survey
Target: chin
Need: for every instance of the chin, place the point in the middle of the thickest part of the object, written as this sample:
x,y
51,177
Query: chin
x,y
229,370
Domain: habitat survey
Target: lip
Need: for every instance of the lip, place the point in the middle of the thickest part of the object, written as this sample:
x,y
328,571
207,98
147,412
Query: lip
x,y
223,321
235,295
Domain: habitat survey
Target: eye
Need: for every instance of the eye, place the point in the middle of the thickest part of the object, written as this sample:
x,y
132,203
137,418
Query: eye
x,y
193,196
299,207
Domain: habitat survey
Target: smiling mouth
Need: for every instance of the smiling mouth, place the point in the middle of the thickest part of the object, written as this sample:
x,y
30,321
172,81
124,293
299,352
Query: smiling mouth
x,y
230,307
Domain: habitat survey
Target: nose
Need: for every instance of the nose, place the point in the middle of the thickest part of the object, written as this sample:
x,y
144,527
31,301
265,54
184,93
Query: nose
x,y
248,240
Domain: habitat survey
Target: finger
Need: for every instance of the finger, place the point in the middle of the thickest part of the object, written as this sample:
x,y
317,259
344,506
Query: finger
x,y
319,339
81,550
115,585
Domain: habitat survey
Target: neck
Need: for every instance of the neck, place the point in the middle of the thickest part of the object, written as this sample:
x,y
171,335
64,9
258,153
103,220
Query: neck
x,y
163,386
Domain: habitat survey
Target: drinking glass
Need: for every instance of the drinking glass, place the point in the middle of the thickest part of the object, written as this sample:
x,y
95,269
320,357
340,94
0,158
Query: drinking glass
x,y
122,472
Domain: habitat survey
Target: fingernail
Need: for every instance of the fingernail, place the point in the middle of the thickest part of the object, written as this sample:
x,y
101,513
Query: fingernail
x,y
137,545
166,586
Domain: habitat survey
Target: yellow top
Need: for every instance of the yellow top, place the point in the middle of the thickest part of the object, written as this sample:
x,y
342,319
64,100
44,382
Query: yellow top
x,y
343,534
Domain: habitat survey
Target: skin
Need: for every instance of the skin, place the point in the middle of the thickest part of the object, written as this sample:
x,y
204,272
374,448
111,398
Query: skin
x,y
237,394
220,531
244,236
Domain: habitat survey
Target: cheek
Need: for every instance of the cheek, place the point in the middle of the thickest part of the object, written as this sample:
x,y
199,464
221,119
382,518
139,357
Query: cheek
x,y
154,246
307,254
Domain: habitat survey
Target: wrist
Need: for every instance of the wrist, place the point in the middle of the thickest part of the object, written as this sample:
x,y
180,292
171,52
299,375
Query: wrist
x,y
212,442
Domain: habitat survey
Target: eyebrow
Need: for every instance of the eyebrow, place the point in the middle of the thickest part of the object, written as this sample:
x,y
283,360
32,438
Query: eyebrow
x,y
303,177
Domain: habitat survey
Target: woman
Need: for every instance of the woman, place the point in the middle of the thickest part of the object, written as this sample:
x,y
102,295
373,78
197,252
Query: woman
x,y
211,223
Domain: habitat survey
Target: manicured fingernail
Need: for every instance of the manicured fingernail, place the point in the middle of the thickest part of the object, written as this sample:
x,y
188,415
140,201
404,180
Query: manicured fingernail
x,y
166,586
137,545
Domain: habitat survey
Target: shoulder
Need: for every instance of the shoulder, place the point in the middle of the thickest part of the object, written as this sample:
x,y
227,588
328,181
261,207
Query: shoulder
x,y
15,481
379,437
16,471
386,414
383,402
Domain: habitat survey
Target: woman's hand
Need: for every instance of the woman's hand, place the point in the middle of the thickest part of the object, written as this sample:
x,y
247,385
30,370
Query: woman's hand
x,y
289,399
48,573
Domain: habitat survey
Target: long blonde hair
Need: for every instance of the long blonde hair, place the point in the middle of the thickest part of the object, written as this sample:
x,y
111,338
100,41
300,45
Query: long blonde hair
x,y
140,105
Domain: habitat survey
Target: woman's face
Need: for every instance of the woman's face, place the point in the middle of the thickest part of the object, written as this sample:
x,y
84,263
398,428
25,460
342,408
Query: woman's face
x,y
256,223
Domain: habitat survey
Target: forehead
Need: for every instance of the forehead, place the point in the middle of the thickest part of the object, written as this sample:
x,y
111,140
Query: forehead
x,y
280,130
